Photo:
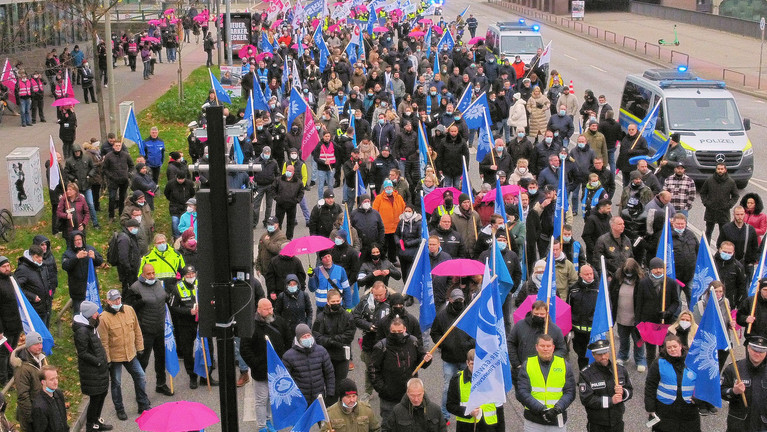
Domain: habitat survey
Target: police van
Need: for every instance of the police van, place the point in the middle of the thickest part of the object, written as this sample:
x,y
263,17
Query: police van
x,y
703,112
514,39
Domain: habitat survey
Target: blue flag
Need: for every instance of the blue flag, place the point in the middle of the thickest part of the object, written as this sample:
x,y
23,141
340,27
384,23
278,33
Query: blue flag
x,y
132,132
201,356
465,100
654,158
423,148
424,225
483,321
548,290
505,283
473,114
354,137
297,106
239,157
372,18
650,119
446,43
361,187
345,226
500,206
703,359
427,42
759,272
221,94
603,317
259,99
285,73
310,417
351,53
419,285
266,46
171,357
319,41
30,320
705,272
466,9
466,183
665,250
563,204
485,142
92,286
435,66
286,399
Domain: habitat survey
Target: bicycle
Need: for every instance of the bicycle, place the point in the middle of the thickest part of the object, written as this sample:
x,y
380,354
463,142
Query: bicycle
x,y
7,228
676,39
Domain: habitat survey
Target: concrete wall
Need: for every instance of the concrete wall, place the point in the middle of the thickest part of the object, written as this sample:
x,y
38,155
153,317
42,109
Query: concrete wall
x,y
680,4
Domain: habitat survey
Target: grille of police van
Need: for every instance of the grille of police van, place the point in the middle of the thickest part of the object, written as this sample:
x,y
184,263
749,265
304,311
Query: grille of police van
x,y
712,158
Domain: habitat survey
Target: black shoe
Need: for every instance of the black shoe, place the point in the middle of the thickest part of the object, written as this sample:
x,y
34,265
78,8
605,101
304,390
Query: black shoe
x,y
142,409
164,389
122,416
42,121
193,382
101,426
213,383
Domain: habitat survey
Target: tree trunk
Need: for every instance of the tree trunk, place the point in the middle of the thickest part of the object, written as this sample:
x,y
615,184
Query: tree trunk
x,y
97,77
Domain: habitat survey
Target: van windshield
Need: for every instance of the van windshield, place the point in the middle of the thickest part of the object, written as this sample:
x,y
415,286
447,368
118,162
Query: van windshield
x,y
521,44
703,115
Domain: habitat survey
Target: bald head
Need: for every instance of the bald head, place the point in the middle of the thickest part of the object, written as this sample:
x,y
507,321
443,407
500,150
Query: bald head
x,y
265,309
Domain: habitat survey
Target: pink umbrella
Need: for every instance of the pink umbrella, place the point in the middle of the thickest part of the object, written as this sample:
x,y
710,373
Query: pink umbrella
x,y
174,20
65,102
244,51
434,198
150,39
505,190
396,12
459,267
276,24
306,245
425,21
475,39
177,416
380,29
362,8
653,333
263,56
169,11
332,28
437,29
564,314
416,33
154,22
295,45
315,23
201,18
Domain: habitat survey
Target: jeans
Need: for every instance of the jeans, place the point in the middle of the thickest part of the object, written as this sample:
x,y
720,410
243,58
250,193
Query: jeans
x,y
262,190
625,335
575,195
324,179
117,198
174,220
89,199
305,210
448,372
240,362
611,159
139,383
313,164
452,182
503,128
170,54
156,344
146,69
26,111
349,197
263,407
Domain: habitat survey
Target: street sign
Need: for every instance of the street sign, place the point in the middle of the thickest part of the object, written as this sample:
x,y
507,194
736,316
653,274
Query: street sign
x,y
761,24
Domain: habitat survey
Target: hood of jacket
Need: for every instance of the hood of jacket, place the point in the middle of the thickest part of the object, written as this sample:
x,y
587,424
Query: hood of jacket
x,y
71,240
41,239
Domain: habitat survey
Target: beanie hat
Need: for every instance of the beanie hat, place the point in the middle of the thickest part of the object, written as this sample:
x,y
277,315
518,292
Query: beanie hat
x,y
88,308
656,263
302,330
4,259
347,387
33,338
130,223
175,155
463,197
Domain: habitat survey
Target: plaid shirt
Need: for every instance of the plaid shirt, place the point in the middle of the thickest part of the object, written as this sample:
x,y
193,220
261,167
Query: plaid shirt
x,y
682,191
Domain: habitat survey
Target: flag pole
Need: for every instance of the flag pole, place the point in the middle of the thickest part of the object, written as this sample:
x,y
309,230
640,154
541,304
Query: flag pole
x,y
712,296
610,329
564,198
252,113
452,326
639,135
756,293
729,315
548,288
665,265
171,382
325,411
471,198
346,208
205,362
426,142
210,74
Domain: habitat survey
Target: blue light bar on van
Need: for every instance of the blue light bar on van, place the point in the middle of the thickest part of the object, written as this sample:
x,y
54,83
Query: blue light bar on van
x,y
695,83
536,27
521,20
682,68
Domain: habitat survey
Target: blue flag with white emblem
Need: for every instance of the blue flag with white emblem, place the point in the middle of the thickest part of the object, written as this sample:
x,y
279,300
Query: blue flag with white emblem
x,y
759,272
296,107
201,356
132,131
171,357
30,320
705,272
319,42
419,285
361,187
548,290
239,156
447,43
563,204
473,114
427,42
505,282
351,52
485,141
423,148
92,286
221,94
483,320
285,398
665,250
266,46
310,417
603,317
703,359
345,226
465,100
500,207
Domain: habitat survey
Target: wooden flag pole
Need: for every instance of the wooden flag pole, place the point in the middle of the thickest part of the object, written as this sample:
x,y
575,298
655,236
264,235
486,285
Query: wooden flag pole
x,y
756,293
548,294
610,333
325,411
205,361
346,208
665,266
729,316
171,383
212,86
639,135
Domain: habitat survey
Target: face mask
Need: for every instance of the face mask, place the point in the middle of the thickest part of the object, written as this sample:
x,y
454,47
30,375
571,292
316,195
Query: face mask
x,y
138,219
456,118
725,256
190,280
306,90
270,228
162,247
133,230
520,135
549,140
349,407
294,156
562,156
292,289
538,321
398,338
581,145
141,204
501,245
191,244
408,215
116,307
48,389
261,127
656,276
265,156
380,121
532,191
190,209
335,307
94,322
567,238
628,275
679,231
433,93
499,149
594,184
366,205
288,175
150,281
685,324
457,305
338,241
562,113
375,258
389,191
308,342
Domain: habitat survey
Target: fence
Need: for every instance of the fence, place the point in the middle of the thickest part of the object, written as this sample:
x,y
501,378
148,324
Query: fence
x,y
716,22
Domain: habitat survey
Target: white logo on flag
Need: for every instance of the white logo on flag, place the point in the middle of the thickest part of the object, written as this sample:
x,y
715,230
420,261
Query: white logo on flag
x,y
704,354
282,387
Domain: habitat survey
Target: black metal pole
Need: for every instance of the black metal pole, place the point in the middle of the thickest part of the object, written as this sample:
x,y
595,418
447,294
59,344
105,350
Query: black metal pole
x,y
221,271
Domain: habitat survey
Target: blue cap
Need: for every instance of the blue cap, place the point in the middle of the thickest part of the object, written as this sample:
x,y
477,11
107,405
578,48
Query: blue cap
x,y
388,183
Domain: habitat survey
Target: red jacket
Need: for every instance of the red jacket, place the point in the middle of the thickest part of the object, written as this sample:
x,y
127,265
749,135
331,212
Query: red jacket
x,y
759,222
81,215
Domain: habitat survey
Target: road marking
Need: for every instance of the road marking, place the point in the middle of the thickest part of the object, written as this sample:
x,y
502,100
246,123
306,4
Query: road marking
x,y
760,101
758,179
599,69
758,185
571,57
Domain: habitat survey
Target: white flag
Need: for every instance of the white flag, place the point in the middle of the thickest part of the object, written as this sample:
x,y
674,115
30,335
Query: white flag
x,y
545,56
54,176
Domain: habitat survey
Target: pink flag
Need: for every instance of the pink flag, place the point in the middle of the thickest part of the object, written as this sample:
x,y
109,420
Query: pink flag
x,y
653,333
68,84
9,80
311,137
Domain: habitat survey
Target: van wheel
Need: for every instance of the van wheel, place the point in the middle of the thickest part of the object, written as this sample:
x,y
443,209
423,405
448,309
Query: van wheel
x,y
741,184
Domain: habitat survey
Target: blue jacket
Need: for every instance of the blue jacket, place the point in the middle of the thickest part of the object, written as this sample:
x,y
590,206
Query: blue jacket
x,y
154,152
185,222
320,285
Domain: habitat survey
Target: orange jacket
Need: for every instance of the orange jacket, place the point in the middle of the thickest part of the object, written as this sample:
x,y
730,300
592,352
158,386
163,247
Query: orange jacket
x,y
390,208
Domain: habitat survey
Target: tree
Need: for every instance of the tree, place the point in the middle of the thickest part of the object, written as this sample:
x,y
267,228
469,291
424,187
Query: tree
x,y
92,12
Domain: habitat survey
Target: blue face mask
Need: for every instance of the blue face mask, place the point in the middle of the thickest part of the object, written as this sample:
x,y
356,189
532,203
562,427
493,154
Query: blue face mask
x,y
48,389
499,149
520,135
679,231
260,127
581,145
725,256
562,113
456,118
338,241
549,140
270,228
308,342
567,238
380,121
116,307
265,156
162,247
656,276
150,281
501,246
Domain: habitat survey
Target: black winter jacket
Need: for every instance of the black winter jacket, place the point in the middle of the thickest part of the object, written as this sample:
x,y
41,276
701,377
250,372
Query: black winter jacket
x,y
451,153
149,303
79,169
369,226
685,255
10,320
49,414
648,300
91,358
253,349
294,308
408,233
457,343
129,255
583,301
322,219
117,167
392,364
312,370
177,195
524,336
406,418
49,261
679,416
334,331
288,192
33,282
76,268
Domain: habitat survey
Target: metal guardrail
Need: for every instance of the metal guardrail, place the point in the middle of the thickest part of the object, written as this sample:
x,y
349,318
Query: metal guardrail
x,y
724,74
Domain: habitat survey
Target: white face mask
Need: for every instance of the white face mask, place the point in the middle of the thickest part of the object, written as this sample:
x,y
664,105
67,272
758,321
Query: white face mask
x,y
189,209
366,205
685,324
190,280
138,218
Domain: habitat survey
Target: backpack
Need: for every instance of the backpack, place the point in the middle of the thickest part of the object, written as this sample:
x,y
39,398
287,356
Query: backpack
x,y
113,257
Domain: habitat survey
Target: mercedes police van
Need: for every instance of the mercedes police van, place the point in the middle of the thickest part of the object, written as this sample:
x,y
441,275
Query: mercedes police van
x,y
514,39
703,112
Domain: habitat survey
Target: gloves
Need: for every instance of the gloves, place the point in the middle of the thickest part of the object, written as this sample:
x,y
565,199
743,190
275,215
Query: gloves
x,y
310,271
550,415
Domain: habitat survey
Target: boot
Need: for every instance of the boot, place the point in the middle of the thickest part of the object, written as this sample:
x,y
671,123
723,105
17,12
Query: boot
x,y
244,379
193,382
101,426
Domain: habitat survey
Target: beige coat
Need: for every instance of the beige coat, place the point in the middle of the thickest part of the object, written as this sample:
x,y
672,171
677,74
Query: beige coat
x,y
120,334
539,116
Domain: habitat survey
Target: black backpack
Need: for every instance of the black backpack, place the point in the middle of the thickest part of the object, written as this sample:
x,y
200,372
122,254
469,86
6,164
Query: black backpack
x,y
113,257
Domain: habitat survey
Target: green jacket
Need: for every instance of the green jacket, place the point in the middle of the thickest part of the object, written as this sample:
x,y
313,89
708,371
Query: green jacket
x,y
361,419
27,380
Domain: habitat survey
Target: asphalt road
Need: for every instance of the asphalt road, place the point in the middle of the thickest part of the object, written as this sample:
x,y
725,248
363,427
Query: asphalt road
x,y
589,66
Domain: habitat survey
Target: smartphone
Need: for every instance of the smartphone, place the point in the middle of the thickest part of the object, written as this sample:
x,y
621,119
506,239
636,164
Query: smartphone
x,y
348,352
654,419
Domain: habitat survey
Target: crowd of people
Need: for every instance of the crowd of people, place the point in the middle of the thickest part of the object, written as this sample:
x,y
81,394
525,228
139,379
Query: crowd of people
x,y
313,314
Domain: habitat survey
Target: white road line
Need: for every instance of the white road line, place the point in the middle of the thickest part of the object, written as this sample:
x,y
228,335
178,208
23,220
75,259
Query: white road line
x,y
758,185
599,69
571,57
760,101
758,179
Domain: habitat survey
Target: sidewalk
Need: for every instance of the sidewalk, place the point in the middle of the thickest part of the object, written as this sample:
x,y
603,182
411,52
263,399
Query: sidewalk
x,y
129,86
711,54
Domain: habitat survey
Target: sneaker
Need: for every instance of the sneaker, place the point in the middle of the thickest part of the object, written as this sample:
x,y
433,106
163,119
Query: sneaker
x,y
193,382
244,379
103,426
121,415
620,362
164,389
641,368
